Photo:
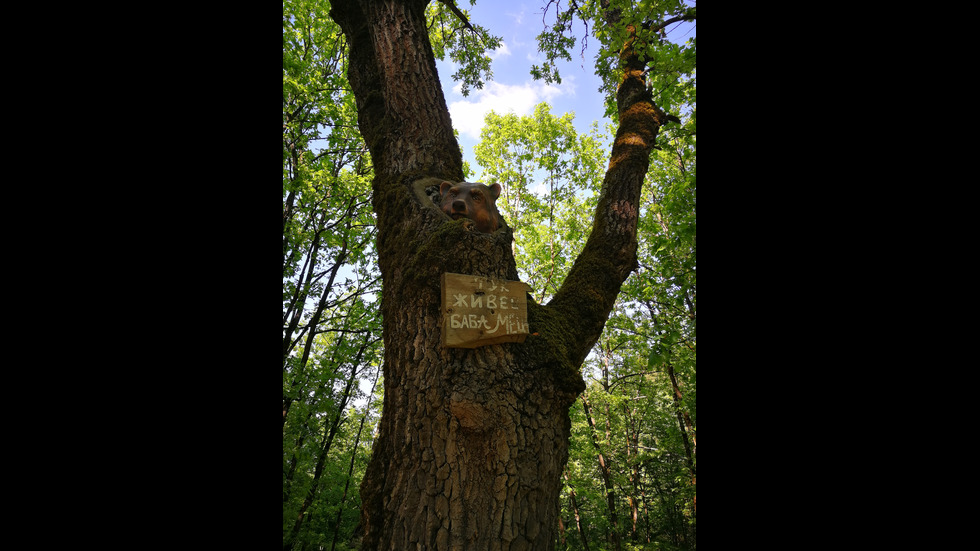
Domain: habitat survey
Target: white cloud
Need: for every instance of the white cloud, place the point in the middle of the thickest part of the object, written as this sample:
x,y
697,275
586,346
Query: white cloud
x,y
520,99
501,51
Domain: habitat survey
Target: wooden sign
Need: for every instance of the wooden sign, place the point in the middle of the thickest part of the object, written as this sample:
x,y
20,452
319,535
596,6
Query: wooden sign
x,y
478,311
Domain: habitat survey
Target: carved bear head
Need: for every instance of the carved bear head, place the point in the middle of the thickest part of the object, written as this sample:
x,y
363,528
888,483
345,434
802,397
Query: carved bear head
x,y
472,200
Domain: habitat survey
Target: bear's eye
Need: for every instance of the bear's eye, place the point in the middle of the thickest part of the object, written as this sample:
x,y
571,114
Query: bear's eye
x,y
477,196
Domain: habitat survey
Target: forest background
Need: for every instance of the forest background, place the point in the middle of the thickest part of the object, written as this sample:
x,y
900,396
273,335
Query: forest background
x,y
544,134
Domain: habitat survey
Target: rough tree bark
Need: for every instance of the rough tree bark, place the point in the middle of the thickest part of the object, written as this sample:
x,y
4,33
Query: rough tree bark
x,y
472,442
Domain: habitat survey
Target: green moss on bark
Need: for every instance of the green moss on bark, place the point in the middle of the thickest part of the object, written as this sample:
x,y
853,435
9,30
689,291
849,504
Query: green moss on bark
x,y
547,347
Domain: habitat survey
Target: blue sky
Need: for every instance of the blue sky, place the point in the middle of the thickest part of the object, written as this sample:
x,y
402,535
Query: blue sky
x,y
512,89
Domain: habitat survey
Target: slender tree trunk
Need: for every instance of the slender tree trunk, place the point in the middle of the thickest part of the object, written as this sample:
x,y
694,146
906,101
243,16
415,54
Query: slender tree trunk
x,y
578,517
606,473
325,447
353,455
472,442
290,335
686,429
632,442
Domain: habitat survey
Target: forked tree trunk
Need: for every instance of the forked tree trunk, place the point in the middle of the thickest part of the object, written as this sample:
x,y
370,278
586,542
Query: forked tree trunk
x,y
472,442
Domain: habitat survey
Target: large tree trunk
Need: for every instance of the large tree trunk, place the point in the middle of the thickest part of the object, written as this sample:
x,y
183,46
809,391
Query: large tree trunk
x,y
472,442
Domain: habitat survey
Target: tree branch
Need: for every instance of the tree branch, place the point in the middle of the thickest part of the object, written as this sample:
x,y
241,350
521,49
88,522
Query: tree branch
x,y
462,17
590,290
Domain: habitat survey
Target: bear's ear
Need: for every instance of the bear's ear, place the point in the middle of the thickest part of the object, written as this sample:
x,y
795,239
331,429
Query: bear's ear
x,y
494,191
444,187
